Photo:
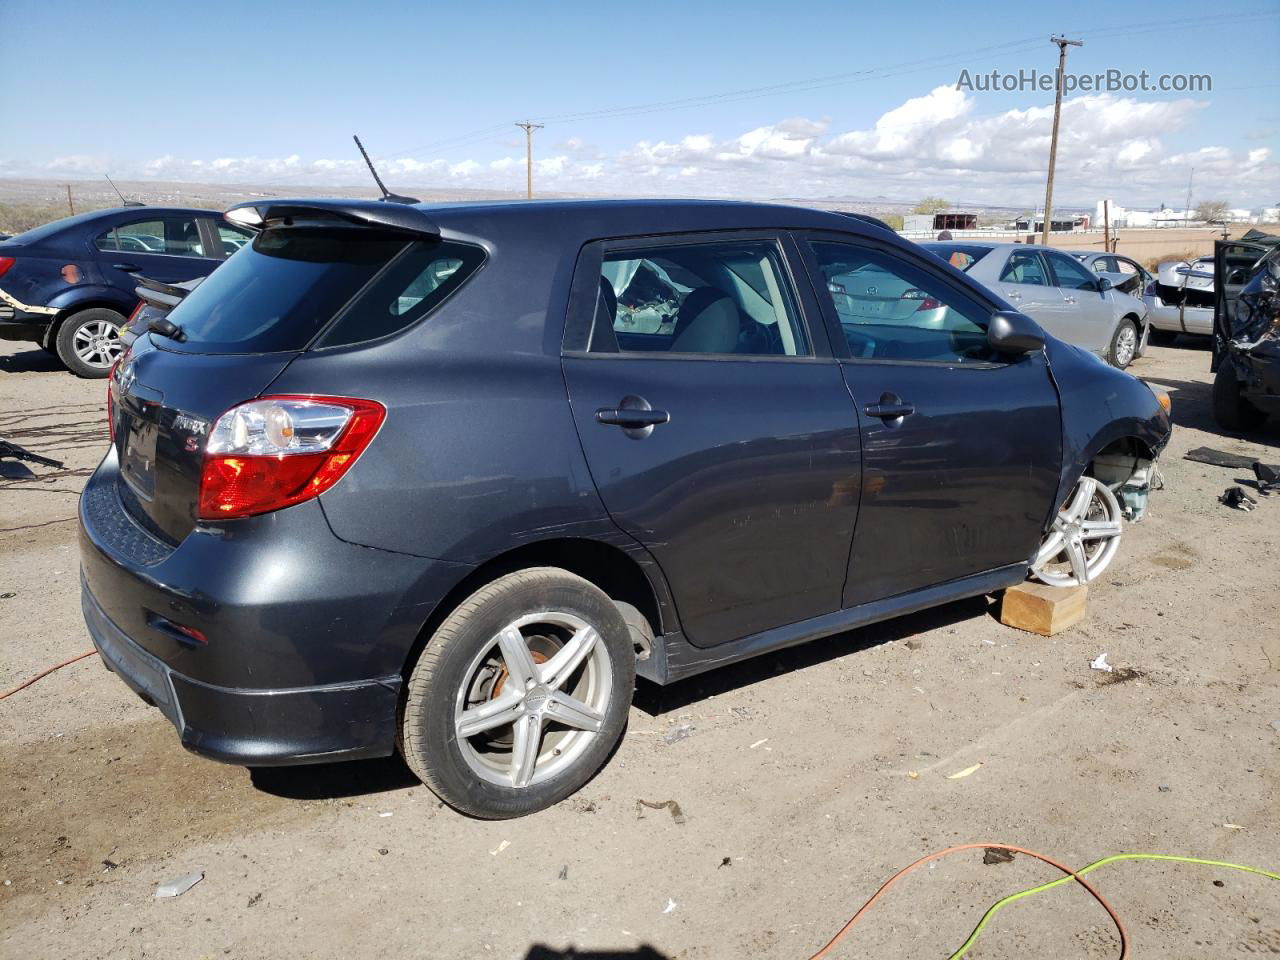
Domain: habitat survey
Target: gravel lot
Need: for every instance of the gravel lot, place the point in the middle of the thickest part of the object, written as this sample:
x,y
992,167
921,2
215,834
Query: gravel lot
x,y
794,779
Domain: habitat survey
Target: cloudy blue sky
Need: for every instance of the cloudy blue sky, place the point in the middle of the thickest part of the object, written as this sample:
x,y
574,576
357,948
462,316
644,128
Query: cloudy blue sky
x,y
744,98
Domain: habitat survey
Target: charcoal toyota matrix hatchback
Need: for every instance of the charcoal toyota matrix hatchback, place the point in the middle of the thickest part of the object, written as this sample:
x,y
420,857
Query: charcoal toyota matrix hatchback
x,y
447,479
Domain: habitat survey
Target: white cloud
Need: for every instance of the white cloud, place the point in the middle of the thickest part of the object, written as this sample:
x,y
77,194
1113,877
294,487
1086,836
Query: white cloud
x,y
937,143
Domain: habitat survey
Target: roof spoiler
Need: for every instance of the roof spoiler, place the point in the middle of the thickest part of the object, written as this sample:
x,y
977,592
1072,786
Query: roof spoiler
x,y
367,213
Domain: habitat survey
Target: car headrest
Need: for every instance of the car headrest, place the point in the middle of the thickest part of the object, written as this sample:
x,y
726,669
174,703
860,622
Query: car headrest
x,y
708,322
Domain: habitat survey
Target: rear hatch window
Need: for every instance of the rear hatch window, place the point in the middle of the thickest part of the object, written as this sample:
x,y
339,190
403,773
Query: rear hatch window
x,y
962,256
295,286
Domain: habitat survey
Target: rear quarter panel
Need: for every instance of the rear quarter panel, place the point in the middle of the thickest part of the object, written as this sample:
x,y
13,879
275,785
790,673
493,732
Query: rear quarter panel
x,y
478,453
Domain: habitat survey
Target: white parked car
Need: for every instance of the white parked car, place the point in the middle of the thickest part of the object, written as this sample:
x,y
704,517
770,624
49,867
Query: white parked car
x,y
1181,299
1058,292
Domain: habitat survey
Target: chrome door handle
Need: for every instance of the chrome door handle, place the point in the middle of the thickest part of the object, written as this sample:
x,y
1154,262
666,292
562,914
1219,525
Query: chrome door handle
x,y
1069,299
1013,295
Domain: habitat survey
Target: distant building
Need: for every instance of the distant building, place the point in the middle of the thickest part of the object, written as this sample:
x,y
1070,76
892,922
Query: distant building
x,y
940,221
1066,224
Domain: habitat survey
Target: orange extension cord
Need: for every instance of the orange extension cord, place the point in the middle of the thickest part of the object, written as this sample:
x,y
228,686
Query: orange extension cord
x,y
1124,940
44,673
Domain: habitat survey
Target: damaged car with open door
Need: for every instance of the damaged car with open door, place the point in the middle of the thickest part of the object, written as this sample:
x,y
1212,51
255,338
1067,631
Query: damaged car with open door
x,y
446,479
1246,331
1180,299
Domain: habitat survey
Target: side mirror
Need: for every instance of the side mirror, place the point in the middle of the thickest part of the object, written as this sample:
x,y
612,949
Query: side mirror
x,y
1014,333
1104,284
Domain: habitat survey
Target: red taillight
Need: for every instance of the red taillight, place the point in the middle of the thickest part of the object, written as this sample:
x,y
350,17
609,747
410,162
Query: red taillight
x,y
277,451
926,302
5,264
1150,290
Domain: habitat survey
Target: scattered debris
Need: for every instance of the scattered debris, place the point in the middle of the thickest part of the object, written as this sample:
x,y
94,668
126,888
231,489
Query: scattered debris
x,y
1218,458
255,900
109,865
1268,477
726,862
742,713
1163,789
564,873
499,848
914,643
385,813
1233,826
7,595
1275,725
1100,663
676,813
383,851
1218,883
960,775
682,732
11,451
758,743
993,855
671,905
179,885
913,775
1236,498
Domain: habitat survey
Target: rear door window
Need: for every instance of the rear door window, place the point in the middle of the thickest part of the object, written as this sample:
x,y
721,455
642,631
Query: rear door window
x,y
170,236
1025,266
287,285
702,298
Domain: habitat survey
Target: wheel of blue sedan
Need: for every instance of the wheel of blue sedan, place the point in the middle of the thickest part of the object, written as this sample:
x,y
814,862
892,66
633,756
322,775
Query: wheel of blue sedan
x,y
520,695
1084,537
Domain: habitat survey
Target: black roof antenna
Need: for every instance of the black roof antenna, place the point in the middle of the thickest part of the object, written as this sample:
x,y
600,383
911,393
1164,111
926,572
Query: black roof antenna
x,y
387,195
123,201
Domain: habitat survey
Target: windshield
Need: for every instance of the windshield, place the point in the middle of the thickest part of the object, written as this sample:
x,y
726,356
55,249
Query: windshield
x,y
962,256
280,291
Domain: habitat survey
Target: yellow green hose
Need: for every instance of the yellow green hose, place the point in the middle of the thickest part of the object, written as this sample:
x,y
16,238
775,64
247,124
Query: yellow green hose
x,y
995,908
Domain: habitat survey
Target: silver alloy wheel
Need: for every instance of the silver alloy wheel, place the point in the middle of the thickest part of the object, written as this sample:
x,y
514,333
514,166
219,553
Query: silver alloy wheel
x,y
1084,538
534,699
1126,345
97,343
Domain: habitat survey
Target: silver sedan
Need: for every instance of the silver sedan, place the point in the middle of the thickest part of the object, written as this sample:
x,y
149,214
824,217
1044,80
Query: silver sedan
x,y
1058,292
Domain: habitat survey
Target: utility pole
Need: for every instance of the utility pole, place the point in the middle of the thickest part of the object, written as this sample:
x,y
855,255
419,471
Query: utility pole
x,y
1106,226
1062,43
70,206
529,126
1186,210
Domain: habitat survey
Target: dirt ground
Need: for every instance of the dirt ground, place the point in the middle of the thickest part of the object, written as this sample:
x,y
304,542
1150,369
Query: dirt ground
x,y
795,780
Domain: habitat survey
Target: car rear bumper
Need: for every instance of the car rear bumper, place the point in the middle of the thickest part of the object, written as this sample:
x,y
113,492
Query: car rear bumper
x,y
303,637
252,727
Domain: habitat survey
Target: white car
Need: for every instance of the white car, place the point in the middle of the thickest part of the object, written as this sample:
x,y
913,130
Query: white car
x,y
1181,299
1058,292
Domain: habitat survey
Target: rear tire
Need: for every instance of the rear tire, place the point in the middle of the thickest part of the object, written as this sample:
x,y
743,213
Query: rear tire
x,y
1124,344
466,667
88,342
1230,408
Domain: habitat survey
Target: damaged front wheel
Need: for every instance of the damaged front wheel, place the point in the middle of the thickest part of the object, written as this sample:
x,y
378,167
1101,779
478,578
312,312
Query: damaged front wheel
x,y
1084,537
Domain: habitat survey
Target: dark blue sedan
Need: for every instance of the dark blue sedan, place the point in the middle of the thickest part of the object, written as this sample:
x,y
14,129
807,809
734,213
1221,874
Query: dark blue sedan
x,y
69,285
